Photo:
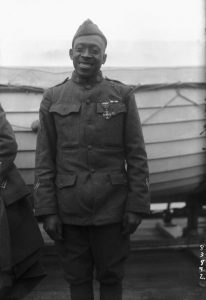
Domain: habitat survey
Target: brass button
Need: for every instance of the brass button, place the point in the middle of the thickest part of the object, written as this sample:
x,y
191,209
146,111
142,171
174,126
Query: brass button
x,y
88,101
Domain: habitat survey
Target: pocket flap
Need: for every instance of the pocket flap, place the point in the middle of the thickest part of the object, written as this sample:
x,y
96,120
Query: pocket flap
x,y
65,109
118,178
66,180
115,108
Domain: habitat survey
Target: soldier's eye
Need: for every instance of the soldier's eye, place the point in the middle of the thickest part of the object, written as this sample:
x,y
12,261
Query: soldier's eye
x,y
95,51
79,49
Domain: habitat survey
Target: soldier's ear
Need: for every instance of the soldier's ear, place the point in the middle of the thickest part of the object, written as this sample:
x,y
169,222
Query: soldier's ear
x,y
71,54
104,58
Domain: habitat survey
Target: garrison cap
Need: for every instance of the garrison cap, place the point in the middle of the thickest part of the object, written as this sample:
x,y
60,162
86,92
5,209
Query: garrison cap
x,y
89,28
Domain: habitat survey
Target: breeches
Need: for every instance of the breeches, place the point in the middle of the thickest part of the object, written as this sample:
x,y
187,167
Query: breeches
x,y
88,248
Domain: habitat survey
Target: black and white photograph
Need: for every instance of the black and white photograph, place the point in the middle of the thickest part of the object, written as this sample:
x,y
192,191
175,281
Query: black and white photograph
x,y
102,150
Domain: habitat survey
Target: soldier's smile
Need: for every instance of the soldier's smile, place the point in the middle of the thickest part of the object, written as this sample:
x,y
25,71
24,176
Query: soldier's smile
x,y
85,65
88,54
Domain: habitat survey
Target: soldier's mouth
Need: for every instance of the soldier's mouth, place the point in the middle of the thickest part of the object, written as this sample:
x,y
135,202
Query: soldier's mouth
x,y
85,65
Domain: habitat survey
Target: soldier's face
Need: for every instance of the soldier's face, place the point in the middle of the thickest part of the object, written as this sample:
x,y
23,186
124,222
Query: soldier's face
x,y
88,55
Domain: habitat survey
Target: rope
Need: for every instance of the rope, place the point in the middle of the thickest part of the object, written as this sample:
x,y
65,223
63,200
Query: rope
x,y
23,70
21,127
21,88
158,110
186,98
176,85
178,94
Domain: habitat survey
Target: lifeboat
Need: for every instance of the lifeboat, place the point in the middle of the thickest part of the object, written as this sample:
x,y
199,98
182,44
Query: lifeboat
x,y
171,105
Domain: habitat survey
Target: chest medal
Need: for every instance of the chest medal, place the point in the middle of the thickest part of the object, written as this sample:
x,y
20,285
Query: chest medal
x,y
107,108
107,113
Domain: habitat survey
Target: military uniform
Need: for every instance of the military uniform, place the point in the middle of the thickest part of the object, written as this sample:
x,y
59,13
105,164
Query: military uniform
x,y
91,169
87,133
91,164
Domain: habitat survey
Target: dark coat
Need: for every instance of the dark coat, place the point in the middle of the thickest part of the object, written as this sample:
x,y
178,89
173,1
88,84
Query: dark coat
x,y
12,186
20,237
91,164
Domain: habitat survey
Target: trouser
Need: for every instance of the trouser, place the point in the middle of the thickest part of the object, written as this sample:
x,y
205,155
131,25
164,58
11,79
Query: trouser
x,y
84,248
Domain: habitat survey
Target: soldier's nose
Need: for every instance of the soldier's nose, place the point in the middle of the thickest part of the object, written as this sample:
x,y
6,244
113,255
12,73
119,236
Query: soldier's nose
x,y
86,53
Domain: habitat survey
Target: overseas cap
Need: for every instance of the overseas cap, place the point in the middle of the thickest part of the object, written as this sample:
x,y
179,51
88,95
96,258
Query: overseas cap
x,y
89,28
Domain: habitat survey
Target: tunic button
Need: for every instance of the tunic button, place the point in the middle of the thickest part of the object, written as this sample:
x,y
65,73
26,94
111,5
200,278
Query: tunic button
x,y
89,147
88,101
92,170
88,86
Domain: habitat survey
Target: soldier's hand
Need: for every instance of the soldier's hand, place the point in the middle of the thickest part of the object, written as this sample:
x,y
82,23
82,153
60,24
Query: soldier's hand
x,y
130,222
53,226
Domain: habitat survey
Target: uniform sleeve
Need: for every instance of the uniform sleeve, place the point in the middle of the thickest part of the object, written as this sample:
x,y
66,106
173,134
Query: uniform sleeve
x,y
8,145
136,158
45,167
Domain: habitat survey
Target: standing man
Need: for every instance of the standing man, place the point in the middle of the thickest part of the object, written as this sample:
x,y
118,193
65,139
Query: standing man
x,y
91,170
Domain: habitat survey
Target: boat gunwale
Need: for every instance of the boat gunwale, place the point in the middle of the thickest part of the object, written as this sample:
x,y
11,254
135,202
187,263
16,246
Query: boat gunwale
x,y
135,88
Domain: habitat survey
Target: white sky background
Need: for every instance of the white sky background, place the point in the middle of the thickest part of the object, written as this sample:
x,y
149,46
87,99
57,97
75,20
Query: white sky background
x,y
139,32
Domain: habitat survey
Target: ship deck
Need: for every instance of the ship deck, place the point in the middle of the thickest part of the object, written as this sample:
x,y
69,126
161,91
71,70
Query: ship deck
x,y
160,267
150,275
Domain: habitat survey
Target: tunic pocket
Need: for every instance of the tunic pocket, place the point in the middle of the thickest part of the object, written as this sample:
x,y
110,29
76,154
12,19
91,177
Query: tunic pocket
x,y
67,120
67,195
117,196
63,181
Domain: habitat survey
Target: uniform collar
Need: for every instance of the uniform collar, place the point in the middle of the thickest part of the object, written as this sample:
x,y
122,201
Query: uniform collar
x,y
91,81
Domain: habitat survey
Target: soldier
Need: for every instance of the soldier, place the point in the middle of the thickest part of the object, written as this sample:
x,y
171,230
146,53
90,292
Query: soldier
x,y
20,238
91,170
